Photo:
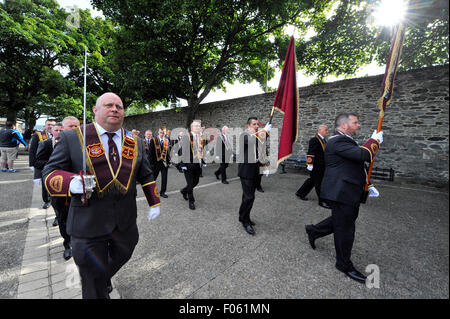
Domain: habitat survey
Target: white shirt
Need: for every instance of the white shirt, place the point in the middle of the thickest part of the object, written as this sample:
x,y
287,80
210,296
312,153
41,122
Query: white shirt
x,y
117,138
323,138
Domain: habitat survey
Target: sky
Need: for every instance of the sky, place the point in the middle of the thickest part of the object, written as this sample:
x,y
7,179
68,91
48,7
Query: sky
x,y
238,89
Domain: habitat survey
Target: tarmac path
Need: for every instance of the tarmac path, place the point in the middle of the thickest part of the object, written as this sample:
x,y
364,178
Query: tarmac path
x,y
206,253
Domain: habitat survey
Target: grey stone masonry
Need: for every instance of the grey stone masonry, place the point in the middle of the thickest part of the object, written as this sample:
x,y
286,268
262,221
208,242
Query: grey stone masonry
x,y
416,123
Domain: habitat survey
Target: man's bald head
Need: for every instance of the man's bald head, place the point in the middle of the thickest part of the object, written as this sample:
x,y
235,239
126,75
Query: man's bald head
x,y
109,112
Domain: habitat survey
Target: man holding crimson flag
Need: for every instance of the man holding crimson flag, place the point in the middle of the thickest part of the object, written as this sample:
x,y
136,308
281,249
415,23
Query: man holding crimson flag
x,y
343,189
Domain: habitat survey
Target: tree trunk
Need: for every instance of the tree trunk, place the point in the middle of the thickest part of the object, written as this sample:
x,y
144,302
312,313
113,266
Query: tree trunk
x,y
191,111
11,114
30,122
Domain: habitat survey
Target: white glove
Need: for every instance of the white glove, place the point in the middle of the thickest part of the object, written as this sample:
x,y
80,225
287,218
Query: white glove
x,y
32,168
153,212
268,127
378,136
204,165
266,173
76,187
373,192
37,181
309,168
184,168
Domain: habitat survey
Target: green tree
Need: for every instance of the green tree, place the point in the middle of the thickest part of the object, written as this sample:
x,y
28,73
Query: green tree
x,y
346,40
187,48
32,35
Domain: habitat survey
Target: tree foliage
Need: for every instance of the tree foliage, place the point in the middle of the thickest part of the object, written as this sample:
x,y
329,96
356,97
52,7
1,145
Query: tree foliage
x,y
151,51
190,47
347,40
32,37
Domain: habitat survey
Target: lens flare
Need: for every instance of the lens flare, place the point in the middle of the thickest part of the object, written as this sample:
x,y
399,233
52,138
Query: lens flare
x,y
389,12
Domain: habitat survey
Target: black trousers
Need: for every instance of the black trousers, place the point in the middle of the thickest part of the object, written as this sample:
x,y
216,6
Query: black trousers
x,y
160,168
98,259
192,176
45,195
248,197
314,180
342,225
222,171
61,210
258,181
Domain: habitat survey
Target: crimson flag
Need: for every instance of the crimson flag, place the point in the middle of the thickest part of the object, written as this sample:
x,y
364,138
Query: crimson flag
x,y
286,101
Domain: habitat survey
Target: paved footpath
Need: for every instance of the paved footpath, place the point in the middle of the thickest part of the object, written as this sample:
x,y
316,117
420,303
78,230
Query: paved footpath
x,y
45,274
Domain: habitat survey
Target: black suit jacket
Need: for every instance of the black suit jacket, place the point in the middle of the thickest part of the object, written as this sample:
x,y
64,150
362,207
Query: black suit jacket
x,y
102,215
152,152
188,159
315,149
32,152
345,174
248,167
223,152
44,150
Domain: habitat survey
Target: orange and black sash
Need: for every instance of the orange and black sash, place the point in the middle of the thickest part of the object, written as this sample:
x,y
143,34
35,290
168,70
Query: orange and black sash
x,y
198,153
42,136
161,154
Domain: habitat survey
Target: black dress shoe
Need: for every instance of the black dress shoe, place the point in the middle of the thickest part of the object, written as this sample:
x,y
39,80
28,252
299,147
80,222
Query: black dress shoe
x,y
55,222
67,253
163,195
311,238
355,275
301,197
191,205
46,205
225,182
324,205
260,190
185,195
249,229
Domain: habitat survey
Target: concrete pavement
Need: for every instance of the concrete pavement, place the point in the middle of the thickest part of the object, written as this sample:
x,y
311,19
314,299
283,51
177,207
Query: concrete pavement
x,y
206,253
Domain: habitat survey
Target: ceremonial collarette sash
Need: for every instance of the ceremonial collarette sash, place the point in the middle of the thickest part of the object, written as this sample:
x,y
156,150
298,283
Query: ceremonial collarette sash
x,y
98,161
42,136
198,153
161,155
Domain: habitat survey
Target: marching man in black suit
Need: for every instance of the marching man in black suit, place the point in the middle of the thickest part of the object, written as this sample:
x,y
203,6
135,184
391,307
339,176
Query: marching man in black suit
x,y
103,229
343,188
43,154
224,150
159,156
192,156
315,165
250,151
147,139
40,136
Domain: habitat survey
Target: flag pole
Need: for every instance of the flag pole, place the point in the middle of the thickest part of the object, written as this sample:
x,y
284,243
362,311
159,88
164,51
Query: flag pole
x,y
388,81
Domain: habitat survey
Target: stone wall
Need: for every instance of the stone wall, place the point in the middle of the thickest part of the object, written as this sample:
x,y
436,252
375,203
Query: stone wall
x,y
416,124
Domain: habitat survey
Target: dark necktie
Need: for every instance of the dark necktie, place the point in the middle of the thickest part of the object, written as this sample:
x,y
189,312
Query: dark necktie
x,y
113,152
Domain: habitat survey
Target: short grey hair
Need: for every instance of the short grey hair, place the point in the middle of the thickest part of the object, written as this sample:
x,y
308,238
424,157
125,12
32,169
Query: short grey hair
x,y
64,121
